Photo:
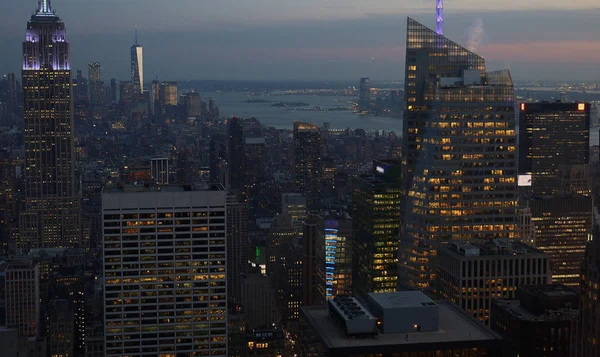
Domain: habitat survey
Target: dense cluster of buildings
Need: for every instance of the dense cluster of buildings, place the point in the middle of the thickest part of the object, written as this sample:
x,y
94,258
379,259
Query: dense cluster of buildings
x,y
136,221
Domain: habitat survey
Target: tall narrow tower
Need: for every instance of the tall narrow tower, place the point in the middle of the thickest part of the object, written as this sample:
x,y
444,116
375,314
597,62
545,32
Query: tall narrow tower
x,y
439,17
51,215
137,65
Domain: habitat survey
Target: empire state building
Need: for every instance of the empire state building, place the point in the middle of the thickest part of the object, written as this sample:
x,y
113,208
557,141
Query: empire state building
x,y
51,216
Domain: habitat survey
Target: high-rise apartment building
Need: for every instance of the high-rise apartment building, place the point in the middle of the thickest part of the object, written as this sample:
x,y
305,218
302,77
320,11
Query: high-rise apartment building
x,y
159,168
460,152
96,84
22,288
237,247
563,226
164,271
113,90
254,174
364,100
137,66
308,170
551,135
51,214
375,226
334,247
471,275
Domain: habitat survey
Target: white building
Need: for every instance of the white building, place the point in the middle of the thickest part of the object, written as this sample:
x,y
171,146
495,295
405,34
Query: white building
x,y
165,271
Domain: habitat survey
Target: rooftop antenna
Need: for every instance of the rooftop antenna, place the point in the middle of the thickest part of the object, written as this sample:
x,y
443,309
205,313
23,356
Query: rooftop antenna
x,y
439,17
136,37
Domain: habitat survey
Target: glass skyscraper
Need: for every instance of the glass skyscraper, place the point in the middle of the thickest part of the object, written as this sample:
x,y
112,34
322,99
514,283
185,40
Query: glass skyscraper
x,y
460,158
137,65
51,215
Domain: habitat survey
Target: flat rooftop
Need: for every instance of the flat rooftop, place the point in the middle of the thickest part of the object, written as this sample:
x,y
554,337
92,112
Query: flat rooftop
x,y
455,328
408,299
164,188
514,308
493,247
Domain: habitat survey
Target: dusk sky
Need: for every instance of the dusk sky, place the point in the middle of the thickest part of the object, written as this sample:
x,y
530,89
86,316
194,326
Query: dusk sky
x,y
310,39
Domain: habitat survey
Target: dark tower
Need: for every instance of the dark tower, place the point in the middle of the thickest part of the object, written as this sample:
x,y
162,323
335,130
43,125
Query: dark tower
x,y
51,215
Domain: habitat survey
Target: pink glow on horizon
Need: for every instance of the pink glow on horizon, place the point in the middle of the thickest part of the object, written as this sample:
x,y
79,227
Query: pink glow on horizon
x,y
576,52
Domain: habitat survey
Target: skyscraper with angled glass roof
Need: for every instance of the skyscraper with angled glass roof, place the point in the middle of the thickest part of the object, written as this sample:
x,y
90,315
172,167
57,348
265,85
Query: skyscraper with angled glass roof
x,y
460,159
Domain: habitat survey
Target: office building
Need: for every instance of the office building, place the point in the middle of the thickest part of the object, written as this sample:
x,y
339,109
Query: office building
x,y
375,229
22,288
60,326
364,100
254,174
51,214
159,168
538,323
218,159
266,343
588,324
237,247
168,95
551,135
285,267
113,90
460,152
308,170
193,105
235,131
471,275
563,225
137,67
96,84
403,324
164,270
258,301
334,234
294,204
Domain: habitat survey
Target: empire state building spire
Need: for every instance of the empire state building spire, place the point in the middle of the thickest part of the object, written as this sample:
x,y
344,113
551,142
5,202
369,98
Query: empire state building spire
x,y
45,7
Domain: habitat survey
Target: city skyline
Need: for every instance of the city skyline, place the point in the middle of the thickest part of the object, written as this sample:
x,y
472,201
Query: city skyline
x,y
359,41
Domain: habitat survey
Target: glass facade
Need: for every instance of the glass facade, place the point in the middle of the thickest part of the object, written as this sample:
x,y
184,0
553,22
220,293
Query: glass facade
x,y
376,223
563,225
551,135
460,152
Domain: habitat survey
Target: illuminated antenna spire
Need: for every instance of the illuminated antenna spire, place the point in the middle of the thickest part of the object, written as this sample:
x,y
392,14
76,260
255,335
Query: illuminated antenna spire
x,y
439,17
44,7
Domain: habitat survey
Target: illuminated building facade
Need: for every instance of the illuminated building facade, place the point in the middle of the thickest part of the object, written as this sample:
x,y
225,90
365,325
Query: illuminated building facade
x,y
563,225
551,135
336,235
375,227
22,289
137,67
471,275
459,149
307,153
168,94
51,214
164,271
588,331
